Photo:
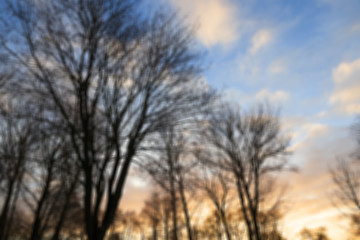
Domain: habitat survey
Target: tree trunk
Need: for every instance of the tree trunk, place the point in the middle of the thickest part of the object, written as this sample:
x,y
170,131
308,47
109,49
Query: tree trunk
x,y
174,216
5,209
218,227
166,225
154,232
12,212
37,218
225,224
185,209
61,221
244,211
256,226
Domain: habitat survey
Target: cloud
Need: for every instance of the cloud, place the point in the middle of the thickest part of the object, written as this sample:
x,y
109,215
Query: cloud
x,y
273,97
310,189
218,24
346,94
355,27
236,96
316,129
303,132
347,72
260,39
277,67
247,99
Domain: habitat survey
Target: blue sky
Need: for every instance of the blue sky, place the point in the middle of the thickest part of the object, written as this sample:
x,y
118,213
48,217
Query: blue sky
x,y
286,50
304,57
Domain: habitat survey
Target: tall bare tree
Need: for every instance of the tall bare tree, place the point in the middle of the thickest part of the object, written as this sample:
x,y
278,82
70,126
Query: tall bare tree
x,y
217,188
69,184
16,139
152,211
249,146
345,175
106,77
346,178
167,167
44,188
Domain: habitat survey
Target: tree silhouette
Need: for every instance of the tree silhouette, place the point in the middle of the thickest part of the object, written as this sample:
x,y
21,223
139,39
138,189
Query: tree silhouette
x,y
249,146
106,78
217,187
314,234
152,211
167,167
345,175
16,140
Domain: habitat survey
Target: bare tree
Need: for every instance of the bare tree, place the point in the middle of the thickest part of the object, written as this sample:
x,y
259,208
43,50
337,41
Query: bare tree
x,y
346,178
73,226
250,146
210,228
128,225
69,183
44,188
158,211
355,225
268,222
345,175
166,209
167,167
35,174
314,234
19,228
152,211
15,143
107,78
217,187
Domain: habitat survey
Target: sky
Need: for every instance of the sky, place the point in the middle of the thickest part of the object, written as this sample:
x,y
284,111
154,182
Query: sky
x,y
302,56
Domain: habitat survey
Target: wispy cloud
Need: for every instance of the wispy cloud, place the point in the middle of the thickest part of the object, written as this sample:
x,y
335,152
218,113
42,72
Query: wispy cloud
x,y
260,39
275,97
217,20
346,94
247,99
277,67
310,189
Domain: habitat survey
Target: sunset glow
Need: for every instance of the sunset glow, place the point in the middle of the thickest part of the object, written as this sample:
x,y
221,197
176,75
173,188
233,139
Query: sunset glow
x,y
180,120
302,56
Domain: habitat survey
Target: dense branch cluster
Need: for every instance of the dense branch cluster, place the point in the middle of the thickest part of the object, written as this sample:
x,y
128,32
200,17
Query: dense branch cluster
x,y
92,87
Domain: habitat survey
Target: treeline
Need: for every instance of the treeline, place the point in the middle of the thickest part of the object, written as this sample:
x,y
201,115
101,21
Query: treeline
x,y
90,88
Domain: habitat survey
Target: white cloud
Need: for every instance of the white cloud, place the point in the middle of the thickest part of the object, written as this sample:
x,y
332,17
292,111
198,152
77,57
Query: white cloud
x,y
355,27
260,39
304,132
248,100
218,24
277,67
347,72
273,97
322,114
238,97
345,97
315,129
